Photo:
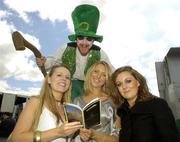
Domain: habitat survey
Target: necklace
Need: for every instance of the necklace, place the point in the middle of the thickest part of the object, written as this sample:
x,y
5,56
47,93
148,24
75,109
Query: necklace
x,y
59,103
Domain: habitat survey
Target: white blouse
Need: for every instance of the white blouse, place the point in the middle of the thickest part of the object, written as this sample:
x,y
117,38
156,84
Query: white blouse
x,y
48,121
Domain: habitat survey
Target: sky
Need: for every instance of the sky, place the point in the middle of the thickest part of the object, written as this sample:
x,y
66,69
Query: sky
x,y
136,33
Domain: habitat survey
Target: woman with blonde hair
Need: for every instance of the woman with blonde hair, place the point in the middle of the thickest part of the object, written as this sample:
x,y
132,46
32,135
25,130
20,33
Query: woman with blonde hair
x,y
43,118
96,86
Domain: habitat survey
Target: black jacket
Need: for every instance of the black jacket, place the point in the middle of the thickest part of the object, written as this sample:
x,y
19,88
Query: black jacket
x,y
149,121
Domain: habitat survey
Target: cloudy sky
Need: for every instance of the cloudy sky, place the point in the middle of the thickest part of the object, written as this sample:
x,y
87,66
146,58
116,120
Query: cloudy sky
x,y
136,32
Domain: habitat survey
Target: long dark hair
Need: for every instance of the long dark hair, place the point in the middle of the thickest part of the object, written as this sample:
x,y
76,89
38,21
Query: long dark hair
x,y
143,92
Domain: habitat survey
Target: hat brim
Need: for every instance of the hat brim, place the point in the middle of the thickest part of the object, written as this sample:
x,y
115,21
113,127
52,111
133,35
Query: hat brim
x,y
73,37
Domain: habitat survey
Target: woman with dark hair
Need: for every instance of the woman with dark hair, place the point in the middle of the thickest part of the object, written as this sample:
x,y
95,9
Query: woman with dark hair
x,y
144,117
43,118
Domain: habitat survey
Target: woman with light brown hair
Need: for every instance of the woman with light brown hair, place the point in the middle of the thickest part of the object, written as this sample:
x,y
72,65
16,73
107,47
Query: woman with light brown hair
x,y
43,118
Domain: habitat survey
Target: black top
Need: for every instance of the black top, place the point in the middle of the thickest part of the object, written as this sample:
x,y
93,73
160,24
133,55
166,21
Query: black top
x,y
149,121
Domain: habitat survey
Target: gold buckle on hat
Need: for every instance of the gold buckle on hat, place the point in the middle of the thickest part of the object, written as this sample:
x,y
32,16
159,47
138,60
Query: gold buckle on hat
x,y
84,26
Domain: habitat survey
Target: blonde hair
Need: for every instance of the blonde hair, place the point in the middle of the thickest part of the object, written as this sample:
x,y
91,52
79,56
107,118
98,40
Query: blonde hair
x,y
46,96
88,88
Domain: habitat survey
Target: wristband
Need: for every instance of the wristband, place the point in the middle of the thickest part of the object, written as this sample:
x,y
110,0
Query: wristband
x,y
37,136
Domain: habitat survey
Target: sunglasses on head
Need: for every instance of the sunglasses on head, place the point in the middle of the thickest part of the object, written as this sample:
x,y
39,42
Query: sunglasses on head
x,y
87,37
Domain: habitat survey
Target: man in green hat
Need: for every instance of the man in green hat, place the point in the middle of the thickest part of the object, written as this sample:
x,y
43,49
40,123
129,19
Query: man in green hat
x,y
81,52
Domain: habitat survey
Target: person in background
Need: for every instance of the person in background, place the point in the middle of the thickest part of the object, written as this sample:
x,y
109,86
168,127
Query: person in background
x,y
96,86
81,52
7,123
144,117
43,118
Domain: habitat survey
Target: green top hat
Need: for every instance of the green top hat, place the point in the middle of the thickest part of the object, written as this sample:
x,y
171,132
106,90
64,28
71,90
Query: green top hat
x,y
85,19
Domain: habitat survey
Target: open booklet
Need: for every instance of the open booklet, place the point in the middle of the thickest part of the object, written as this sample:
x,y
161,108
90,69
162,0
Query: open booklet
x,y
89,116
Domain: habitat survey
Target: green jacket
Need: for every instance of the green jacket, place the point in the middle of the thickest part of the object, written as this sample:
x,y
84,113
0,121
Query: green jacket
x,y
69,56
